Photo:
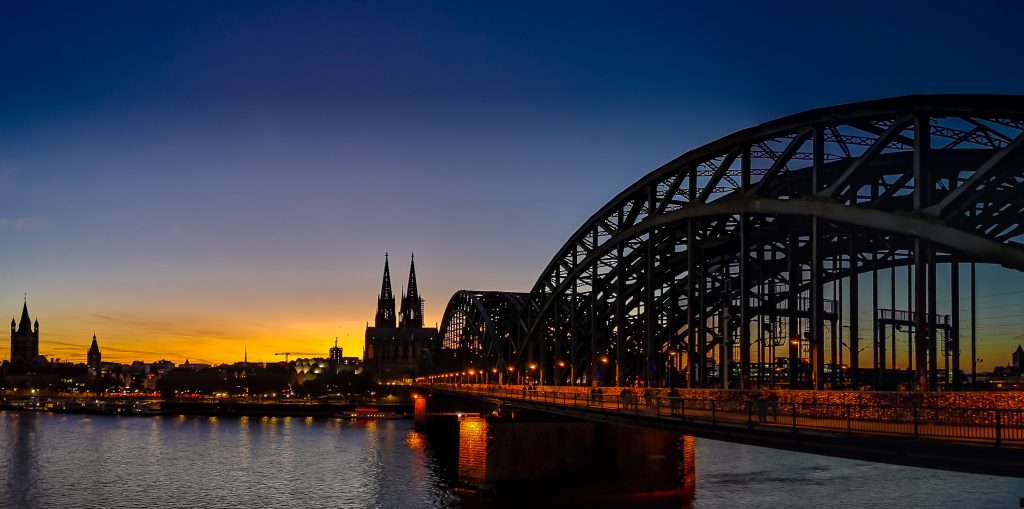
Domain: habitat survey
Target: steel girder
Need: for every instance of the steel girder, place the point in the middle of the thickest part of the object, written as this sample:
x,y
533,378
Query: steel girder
x,y
751,227
841,182
481,329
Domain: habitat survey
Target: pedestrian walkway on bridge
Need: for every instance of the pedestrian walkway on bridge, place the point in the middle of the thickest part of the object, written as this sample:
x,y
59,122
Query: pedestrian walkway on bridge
x,y
993,437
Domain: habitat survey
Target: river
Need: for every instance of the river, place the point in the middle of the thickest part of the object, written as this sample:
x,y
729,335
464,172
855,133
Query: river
x,y
79,461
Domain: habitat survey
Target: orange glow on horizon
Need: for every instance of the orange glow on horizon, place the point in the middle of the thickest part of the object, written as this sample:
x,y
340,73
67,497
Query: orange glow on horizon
x,y
216,313
125,343
207,340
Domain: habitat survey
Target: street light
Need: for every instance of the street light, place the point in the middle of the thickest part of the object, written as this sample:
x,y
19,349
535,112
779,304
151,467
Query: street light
x,y
794,353
672,366
561,373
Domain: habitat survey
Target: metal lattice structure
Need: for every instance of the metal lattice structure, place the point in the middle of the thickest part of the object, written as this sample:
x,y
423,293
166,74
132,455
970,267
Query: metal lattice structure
x,y
747,243
482,330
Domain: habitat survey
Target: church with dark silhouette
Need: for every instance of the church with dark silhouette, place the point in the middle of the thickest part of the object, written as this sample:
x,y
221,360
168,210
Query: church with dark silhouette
x,y
25,341
397,352
94,359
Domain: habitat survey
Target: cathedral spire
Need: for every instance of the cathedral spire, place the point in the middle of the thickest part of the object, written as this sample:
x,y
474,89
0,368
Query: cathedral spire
x,y
385,286
412,304
25,325
386,300
413,292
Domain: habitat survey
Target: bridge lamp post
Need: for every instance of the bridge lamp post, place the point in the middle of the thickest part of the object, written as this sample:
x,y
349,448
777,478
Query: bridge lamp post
x,y
561,369
533,367
511,369
472,374
494,376
794,352
604,360
671,367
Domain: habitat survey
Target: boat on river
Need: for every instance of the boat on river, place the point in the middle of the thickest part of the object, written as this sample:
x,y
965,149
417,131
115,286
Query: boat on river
x,y
370,413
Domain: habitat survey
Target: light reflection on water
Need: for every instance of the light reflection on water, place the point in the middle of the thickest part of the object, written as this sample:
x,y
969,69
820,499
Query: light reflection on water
x,y
56,460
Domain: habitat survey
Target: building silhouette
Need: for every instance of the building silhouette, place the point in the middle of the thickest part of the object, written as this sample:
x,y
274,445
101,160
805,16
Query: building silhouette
x,y
25,341
94,359
398,352
336,352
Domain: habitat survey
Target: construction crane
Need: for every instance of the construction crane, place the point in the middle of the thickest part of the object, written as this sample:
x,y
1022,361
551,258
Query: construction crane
x,y
289,354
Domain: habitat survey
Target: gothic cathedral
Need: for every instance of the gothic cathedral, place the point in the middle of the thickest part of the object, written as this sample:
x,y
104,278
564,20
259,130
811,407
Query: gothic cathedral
x,y
397,353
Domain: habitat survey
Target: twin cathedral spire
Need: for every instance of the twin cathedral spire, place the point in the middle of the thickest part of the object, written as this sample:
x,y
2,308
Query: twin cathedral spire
x,y
411,315
398,352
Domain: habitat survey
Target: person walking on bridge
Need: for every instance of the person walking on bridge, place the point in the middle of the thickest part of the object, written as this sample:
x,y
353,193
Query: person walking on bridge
x,y
762,406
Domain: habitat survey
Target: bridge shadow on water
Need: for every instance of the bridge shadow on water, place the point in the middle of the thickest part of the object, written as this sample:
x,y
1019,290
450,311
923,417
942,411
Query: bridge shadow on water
x,y
541,461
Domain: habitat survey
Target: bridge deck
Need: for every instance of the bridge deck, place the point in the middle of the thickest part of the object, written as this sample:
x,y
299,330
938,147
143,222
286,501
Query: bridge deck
x,y
974,440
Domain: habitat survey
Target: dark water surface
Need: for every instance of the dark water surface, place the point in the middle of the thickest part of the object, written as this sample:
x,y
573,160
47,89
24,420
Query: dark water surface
x,y
59,460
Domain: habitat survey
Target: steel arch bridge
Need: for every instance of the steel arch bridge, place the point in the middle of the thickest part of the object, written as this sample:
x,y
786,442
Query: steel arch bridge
x,y
746,244
482,330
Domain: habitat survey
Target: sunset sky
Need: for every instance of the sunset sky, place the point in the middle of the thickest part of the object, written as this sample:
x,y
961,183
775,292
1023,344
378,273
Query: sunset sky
x,y
192,179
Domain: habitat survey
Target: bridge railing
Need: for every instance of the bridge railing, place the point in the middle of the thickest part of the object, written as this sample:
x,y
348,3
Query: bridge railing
x,y
996,426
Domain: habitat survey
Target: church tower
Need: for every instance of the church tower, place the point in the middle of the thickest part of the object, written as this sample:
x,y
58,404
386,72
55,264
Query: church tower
x,y
24,340
94,358
412,304
398,354
386,301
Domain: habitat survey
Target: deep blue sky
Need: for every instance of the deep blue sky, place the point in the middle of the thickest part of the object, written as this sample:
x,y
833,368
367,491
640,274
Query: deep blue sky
x,y
192,177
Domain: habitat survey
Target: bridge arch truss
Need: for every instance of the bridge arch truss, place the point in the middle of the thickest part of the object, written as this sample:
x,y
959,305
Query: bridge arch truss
x,y
764,239
481,330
